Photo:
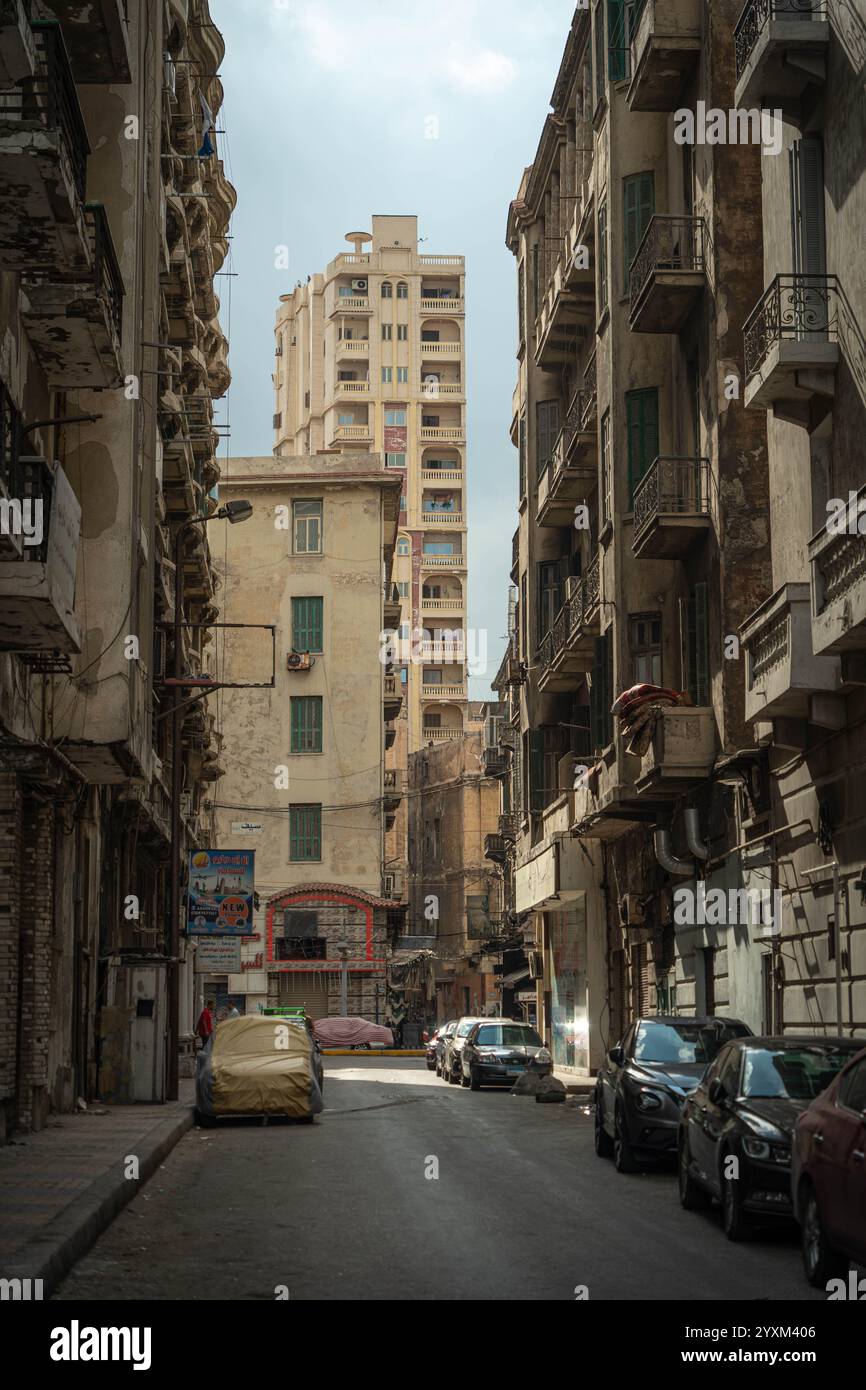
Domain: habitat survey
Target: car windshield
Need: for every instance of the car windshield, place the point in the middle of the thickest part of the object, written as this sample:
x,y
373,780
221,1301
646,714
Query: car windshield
x,y
466,1027
682,1042
798,1073
508,1035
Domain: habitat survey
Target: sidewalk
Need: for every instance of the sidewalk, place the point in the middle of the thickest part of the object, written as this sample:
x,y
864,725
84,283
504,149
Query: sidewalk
x,y
61,1188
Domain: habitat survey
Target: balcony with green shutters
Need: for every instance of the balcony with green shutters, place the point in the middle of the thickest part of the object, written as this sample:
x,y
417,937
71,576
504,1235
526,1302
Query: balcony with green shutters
x,y
791,348
665,50
671,508
780,49
668,275
571,477
567,650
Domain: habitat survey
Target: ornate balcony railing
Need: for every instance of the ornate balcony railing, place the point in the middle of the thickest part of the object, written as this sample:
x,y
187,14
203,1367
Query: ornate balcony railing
x,y
758,14
592,589
796,308
590,389
678,486
771,645
669,244
841,565
50,97
106,269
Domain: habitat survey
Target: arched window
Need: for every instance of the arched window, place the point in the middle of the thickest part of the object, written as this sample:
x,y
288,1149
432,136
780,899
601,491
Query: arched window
x,y
387,289
402,290
402,546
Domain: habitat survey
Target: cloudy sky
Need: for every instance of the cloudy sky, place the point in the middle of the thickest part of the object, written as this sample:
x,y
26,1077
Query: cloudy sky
x,y
327,115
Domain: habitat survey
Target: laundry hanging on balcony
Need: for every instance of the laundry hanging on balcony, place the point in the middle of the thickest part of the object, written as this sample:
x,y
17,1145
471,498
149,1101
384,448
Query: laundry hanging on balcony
x,y
638,710
207,148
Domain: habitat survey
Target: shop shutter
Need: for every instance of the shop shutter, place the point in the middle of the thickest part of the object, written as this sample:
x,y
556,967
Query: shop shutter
x,y
305,988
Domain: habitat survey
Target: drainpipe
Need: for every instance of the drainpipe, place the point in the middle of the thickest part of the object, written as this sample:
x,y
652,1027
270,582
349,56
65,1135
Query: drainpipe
x,y
693,831
672,865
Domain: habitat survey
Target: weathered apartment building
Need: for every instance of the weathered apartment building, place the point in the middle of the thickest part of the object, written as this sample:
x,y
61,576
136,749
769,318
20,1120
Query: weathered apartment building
x,y
665,396
305,782
113,217
371,355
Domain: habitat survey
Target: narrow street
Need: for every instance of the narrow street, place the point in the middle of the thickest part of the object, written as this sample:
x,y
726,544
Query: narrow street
x,y
522,1210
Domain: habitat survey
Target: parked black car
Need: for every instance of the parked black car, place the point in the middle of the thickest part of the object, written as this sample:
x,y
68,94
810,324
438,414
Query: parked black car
x,y
645,1079
736,1128
442,1039
498,1051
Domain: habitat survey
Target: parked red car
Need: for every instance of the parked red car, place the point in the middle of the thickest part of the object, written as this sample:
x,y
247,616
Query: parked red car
x,y
352,1033
828,1176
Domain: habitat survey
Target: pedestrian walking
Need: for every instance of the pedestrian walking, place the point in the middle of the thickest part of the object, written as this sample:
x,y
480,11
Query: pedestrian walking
x,y
205,1026
233,1011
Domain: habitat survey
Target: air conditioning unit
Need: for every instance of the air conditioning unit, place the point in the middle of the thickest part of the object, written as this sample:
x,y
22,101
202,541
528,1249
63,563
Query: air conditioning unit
x,y
359,286
300,661
631,910
536,965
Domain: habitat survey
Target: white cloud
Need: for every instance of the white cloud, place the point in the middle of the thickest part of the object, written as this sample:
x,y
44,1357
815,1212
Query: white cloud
x,y
485,71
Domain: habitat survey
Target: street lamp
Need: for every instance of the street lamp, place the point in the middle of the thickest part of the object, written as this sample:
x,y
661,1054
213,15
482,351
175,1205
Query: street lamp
x,y
233,512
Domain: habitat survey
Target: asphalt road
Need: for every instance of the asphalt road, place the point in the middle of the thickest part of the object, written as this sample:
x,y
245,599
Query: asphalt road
x,y
343,1209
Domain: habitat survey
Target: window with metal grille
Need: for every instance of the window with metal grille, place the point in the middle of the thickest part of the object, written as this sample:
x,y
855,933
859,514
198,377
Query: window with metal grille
x,y
306,723
301,948
305,834
642,419
307,519
307,624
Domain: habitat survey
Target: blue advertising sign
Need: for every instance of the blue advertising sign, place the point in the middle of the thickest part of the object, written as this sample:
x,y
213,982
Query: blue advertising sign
x,y
220,892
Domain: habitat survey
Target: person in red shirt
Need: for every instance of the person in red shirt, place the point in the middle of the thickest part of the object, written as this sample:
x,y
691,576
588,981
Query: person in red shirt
x,y
205,1025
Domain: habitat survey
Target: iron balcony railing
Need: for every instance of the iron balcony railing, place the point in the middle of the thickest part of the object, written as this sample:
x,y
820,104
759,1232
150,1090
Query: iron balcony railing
x,y
590,402
795,308
35,482
757,14
672,486
50,98
106,269
669,243
576,613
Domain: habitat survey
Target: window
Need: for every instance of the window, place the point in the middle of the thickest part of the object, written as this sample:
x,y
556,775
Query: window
x,y
439,548
429,335
536,278
402,332
638,206
402,375
599,52
307,624
432,721
618,54
402,546
403,588
807,207
432,676
305,834
606,471
601,693
547,420
387,374
402,290
307,526
402,504
645,641
387,332
694,631
387,289
852,1089
395,460
642,416
306,724
430,422
521,301
549,595
521,438
602,259
395,417
346,292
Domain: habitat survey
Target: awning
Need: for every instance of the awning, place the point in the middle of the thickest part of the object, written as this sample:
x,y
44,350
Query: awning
x,y
521,974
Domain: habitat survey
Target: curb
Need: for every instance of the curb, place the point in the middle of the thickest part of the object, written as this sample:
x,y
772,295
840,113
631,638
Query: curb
x,y
374,1052
51,1254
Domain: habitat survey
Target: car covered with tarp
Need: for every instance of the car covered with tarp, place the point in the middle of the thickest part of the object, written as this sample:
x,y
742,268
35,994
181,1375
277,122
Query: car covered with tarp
x,y
258,1066
351,1032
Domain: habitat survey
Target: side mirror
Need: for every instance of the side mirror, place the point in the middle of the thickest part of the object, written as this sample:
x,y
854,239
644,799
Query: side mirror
x,y
617,1056
717,1093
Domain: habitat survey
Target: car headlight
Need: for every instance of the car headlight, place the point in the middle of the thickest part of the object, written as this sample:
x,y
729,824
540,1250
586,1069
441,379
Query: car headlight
x,y
756,1148
542,1055
648,1100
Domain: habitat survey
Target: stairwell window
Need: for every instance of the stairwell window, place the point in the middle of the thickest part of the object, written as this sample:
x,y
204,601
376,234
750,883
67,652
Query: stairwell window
x,y
638,206
307,526
307,624
305,834
306,724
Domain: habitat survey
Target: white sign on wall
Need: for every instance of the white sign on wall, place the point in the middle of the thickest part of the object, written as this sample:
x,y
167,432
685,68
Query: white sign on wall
x,y
218,955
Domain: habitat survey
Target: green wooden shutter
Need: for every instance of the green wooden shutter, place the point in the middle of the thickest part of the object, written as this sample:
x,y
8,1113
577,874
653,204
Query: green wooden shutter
x,y
638,206
600,695
305,833
642,414
307,624
807,174
702,646
617,55
306,724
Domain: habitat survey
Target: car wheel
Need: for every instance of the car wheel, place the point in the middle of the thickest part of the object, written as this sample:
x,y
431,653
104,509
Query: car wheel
x,y
820,1261
624,1160
474,1083
735,1222
307,1120
451,1077
692,1195
464,1079
603,1141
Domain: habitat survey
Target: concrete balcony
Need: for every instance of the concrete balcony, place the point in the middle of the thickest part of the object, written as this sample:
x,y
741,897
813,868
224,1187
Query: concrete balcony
x,y
96,35
455,306
440,735
791,348
838,560
432,390
668,275
783,676
351,434
393,791
567,652
390,735
665,49
352,347
603,801
440,350
75,326
37,585
455,262
452,691
349,304
780,52
443,518
671,508
494,761
392,697
443,605
344,389
43,166
682,753
567,314
443,562
443,434
437,475
572,474
496,848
